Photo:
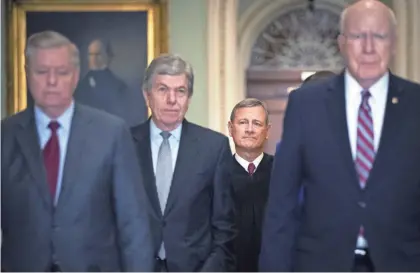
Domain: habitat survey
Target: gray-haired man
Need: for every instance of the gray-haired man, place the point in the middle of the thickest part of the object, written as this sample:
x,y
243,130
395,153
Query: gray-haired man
x,y
70,193
185,174
250,175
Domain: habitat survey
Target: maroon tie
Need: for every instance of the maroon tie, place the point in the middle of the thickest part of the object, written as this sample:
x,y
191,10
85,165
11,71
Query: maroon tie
x,y
251,168
52,157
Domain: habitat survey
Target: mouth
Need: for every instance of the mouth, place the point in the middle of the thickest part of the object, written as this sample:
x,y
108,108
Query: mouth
x,y
369,61
171,112
51,93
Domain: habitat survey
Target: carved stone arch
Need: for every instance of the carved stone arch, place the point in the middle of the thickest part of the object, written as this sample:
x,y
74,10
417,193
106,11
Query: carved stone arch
x,y
299,39
257,17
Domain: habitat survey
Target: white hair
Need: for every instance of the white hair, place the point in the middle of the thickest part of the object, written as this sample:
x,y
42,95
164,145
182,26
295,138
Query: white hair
x,y
51,39
343,17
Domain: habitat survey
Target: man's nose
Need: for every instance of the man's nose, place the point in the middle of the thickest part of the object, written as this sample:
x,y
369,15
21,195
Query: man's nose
x,y
368,44
171,97
52,78
249,128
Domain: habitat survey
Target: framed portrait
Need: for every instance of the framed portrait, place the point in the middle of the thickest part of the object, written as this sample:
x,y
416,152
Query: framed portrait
x,y
116,41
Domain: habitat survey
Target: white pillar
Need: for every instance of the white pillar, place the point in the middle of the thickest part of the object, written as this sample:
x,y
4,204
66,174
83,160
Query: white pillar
x,y
214,64
222,59
407,59
231,59
414,45
401,58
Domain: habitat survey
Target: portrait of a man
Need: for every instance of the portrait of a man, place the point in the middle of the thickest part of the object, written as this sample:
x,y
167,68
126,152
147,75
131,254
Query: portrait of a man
x,y
100,87
116,40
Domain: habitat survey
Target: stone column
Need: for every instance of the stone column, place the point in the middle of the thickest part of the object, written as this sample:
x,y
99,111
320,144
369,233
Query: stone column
x,y
222,59
414,44
407,59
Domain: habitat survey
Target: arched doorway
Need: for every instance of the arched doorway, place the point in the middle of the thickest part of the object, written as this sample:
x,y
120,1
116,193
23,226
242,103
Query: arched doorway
x,y
300,40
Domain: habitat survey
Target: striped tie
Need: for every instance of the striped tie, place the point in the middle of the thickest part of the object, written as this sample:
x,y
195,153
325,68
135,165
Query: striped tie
x,y
365,153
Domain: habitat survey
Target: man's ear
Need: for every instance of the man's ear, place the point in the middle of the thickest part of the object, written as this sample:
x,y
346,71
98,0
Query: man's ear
x,y
230,127
268,131
146,97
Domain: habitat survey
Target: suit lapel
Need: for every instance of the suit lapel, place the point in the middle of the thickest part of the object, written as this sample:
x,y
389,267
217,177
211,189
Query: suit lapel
x,y
393,118
28,140
336,110
141,136
186,156
76,146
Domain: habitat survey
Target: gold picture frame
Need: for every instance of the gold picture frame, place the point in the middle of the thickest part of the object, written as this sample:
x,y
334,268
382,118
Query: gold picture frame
x,y
17,33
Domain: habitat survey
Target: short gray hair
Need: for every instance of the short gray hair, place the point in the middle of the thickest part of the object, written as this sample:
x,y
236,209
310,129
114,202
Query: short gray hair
x,y
247,103
51,39
343,18
168,64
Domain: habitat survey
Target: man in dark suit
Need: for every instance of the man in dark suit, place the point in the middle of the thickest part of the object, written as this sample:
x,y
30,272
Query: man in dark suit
x,y
185,174
353,143
250,175
70,193
317,76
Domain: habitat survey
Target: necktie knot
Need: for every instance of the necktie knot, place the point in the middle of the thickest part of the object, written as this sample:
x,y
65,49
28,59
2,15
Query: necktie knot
x,y
365,95
53,125
251,168
165,135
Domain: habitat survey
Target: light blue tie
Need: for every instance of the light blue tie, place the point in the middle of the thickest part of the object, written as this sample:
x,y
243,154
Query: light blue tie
x,y
164,171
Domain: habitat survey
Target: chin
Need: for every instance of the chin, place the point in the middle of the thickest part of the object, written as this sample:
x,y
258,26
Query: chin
x,y
248,145
370,73
54,103
171,121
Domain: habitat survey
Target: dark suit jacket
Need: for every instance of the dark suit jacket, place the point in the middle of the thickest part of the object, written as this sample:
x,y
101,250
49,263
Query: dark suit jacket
x,y
197,226
100,222
315,152
302,190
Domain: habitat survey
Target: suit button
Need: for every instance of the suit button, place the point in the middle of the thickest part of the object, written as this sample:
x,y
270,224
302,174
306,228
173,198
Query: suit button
x,y
163,223
362,204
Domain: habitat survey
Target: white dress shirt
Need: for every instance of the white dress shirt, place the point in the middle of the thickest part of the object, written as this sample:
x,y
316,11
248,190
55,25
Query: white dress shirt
x,y
44,133
377,102
156,140
244,163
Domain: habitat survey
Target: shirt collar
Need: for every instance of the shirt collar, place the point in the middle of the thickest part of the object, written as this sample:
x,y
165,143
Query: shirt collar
x,y
42,120
155,131
244,163
376,90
